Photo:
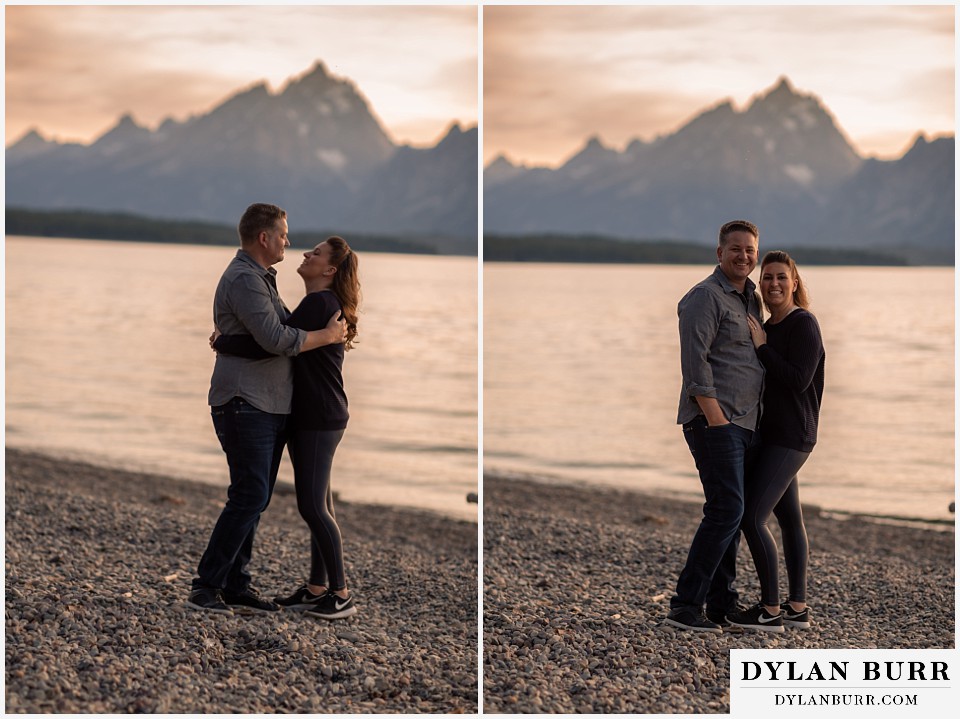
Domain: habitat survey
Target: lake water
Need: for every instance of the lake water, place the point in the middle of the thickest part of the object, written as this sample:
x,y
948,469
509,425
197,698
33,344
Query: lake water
x,y
582,379
107,360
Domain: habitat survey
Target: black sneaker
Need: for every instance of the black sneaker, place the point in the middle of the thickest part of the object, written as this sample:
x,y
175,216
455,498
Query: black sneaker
x,y
249,602
720,618
301,599
208,600
756,617
693,621
331,606
793,618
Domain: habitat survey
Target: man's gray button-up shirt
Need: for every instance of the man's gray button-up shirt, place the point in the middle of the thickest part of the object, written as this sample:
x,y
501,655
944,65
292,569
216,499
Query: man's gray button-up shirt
x,y
717,356
247,302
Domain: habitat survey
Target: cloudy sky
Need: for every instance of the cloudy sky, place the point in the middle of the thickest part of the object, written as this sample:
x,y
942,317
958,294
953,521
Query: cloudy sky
x,y
554,76
72,71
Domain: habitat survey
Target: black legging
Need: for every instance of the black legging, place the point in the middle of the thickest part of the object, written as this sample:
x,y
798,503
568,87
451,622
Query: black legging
x,y
771,486
312,455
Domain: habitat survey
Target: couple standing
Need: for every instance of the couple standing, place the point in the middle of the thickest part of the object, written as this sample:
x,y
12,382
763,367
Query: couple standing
x,y
749,407
277,382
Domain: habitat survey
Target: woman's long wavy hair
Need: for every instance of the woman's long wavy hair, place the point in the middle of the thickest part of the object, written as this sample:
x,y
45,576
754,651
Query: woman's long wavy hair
x,y
800,296
346,284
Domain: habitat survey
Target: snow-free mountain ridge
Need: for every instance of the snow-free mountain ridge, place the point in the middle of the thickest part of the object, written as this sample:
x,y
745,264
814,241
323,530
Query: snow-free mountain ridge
x,y
783,161
315,147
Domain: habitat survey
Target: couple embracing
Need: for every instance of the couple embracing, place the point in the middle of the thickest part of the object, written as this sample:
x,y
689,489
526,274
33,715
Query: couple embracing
x,y
277,383
749,408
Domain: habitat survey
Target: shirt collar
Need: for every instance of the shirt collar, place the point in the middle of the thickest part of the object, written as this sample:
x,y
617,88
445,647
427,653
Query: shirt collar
x,y
245,257
748,286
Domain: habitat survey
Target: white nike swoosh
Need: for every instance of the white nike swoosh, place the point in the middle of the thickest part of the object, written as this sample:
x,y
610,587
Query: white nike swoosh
x,y
340,606
762,620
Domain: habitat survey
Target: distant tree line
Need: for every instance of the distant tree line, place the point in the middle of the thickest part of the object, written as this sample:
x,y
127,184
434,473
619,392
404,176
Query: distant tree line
x,y
600,249
82,224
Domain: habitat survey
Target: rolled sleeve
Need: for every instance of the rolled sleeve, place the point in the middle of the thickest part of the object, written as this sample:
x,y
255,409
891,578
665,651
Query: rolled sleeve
x,y
699,319
250,299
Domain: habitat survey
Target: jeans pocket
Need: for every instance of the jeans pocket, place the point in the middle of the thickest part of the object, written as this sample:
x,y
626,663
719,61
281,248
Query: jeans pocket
x,y
231,408
224,418
715,427
690,431
725,443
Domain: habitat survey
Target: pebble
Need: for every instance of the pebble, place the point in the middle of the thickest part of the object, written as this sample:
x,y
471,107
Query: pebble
x,y
581,561
99,563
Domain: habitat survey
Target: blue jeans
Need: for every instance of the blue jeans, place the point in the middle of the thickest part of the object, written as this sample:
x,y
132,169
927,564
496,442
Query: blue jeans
x,y
253,442
721,455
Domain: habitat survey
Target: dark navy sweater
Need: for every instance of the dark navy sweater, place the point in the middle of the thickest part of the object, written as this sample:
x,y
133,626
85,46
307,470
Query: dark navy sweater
x,y
319,400
793,387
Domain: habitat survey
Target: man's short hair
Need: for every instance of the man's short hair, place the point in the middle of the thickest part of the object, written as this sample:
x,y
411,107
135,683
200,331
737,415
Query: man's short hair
x,y
257,218
737,226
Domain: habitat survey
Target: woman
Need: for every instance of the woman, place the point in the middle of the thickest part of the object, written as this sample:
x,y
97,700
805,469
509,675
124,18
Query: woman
x,y
791,350
318,419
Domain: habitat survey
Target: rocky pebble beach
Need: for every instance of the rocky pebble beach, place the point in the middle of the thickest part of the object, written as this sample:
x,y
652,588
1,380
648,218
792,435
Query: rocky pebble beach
x,y
99,563
577,582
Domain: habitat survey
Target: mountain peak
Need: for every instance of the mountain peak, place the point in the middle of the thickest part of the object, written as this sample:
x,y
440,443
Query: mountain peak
x,y
501,170
252,93
783,104
247,98
501,162
784,85
454,130
316,75
255,90
919,141
31,143
315,81
453,135
923,146
782,94
31,136
126,122
594,151
167,125
722,109
319,69
595,143
710,121
124,131
592,148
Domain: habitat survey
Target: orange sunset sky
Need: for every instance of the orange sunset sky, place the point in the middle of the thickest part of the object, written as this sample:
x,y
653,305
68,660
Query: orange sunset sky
x,y
555,76
72,71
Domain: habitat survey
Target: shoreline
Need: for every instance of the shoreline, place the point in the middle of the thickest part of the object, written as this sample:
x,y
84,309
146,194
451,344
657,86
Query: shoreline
x,y
577,582
553,481
284,483
99,563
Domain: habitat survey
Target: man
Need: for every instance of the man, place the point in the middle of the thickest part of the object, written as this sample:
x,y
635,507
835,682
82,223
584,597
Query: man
x,y
719,411
250,401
